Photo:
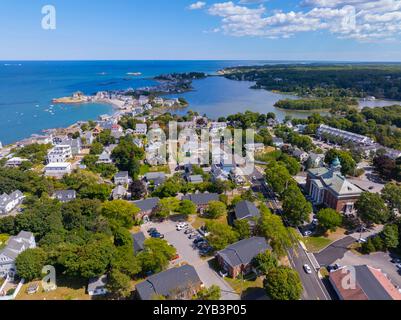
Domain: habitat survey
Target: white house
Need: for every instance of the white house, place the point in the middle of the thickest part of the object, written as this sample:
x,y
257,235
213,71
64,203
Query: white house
x,y
143,100
141,129
89,138
75,145
97,286
346,135
10,202
58,169
16,245
255,147
122,178
15,162
302,156
60,153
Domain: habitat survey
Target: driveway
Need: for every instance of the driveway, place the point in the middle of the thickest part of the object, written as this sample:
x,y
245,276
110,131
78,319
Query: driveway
x,y
190,255
334,252
379,260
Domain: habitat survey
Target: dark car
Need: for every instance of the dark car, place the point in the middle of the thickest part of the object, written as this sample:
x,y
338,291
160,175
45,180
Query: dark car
x,y
157,235
152,230
198,239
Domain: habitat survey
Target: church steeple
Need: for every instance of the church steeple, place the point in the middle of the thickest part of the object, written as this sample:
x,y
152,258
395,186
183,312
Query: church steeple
x,y
336,165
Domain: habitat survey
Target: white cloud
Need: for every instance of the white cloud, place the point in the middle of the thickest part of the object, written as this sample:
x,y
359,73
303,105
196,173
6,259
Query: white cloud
x,y
363,20
197,5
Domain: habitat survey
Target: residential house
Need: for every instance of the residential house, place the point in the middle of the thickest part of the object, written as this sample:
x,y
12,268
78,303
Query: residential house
x,y
143,100
195,179
60,153
146,206
15,162
254,147
278,142
370,284
327,131
202,200
65,195
10,202
15,245
246,210
138,240
158,100
119,192
57,170
75,145
105,157
141,128
89,138
301,155
272,122
330,188
315,160
219,174
123,178
97,286
155,178
237,258
180,283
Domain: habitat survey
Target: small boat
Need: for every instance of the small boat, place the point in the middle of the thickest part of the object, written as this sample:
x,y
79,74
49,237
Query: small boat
x,y
136,74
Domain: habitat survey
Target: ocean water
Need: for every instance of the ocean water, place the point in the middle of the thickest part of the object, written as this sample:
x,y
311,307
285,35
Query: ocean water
x,y
27,89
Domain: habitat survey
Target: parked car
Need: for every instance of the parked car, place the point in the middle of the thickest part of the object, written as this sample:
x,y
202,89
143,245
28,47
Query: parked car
x,y
181,226
157,235
152,230
192,236
176,257
223,273
307,233
198,239
188,231
362,240
315,222
396,260
307,269
203,231
398,265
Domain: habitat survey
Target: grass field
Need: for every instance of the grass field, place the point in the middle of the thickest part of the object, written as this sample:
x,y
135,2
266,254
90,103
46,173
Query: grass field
x,y
315,244
67,289
246,285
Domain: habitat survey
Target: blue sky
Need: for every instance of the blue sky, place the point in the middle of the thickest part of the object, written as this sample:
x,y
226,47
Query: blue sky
x,y
353,30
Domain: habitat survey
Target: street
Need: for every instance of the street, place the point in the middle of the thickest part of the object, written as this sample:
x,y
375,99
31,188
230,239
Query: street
x,y
314,288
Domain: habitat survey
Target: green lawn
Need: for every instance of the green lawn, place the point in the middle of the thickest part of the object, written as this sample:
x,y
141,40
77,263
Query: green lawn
x,y
238,285
3,240
144,169
315,244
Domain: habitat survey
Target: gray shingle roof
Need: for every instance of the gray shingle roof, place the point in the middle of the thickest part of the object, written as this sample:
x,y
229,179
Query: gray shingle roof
x,y
369,284
65,195
138,240
242,252
147,204
202,198
246,210
168,283
97,283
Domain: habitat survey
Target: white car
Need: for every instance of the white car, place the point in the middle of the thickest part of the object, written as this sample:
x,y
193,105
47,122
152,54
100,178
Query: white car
x,y
315,222
307,269
362,240
307,233
398,265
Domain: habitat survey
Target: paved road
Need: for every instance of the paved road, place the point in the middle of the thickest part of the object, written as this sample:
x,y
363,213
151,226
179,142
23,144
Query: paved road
x,y
314,289
334,252
188,254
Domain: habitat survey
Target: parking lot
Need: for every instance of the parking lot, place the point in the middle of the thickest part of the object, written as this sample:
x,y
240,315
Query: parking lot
x,y
189,254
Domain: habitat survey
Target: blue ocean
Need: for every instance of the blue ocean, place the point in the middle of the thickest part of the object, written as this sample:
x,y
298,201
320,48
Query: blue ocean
x,y
28,87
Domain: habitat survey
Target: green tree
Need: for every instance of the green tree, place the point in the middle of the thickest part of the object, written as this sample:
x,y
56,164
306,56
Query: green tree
x,y
105,138
243,228
391,193
216,209
212,293
283,283
187,207
390,236
371,208
221,235
295,207
156,255
29,263
95,191
120,211
329,219
137,189
278,177
348,164
127,155
96,148
167,206
265,262
119,284
272,228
